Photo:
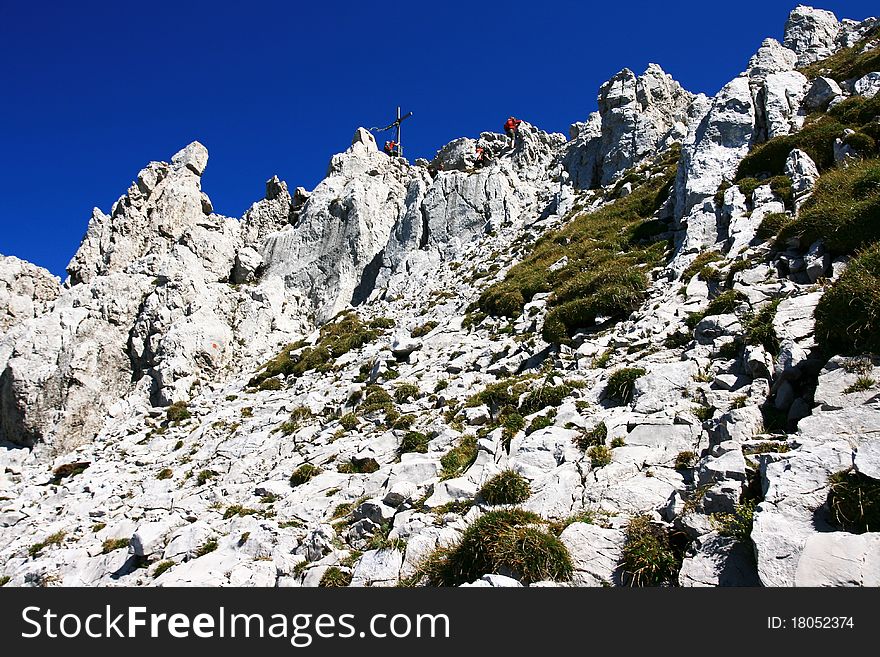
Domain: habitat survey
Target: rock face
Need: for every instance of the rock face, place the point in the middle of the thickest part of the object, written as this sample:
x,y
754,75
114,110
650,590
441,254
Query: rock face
x,y
26,291
637,116
341,400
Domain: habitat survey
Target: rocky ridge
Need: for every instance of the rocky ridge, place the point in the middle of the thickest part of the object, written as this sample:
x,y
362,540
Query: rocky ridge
x,y
151,440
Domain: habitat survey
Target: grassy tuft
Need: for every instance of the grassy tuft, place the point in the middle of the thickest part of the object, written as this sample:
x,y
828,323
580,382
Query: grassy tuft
x,y
334,578
854,501
621,384
507,487
648,557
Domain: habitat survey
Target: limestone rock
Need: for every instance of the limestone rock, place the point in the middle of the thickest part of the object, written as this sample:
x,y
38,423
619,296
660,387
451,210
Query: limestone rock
x,y
26,291
811,33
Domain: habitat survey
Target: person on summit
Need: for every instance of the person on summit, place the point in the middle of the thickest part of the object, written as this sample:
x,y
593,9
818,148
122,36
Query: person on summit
x,y
390,148
482,156
510,128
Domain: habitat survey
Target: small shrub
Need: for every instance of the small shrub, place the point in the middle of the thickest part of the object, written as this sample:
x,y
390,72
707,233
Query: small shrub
x,y
759,328
848,314
601,361
541,422
270,384
862,384
162,566
458,459
348,421
238,510
335,577
703,413
406,391
55,539
738,524
98,526
854,501
359,466
206,548
304,473
414,441
295,421
618,442
178,445
4,580
599,455
724,303
685,460
512,423
423,329
592,438
621,384
544,396
165,473
701,266
112,544
648,557
204,475
247,411
504,540
507,487
678,340
442,384
177,412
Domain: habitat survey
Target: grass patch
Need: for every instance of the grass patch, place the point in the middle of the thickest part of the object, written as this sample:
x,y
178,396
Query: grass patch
x,y
862,384
738,524
621,384
458,459
112,544
511,541
414,441
541,422
55,539
295,421
848,314
854,501
206,548
165,473
270,384
702,268
848,63
234,510
359,466
339,336
607,257
592,438
599,456
759,329
348,421
406,391
177,412
334,578
204,476
304,473
423,329
844,210
162,566
648,557
507,487
685,460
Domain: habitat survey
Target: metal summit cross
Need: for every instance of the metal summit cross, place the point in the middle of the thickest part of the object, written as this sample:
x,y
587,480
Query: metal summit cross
x,y
396,124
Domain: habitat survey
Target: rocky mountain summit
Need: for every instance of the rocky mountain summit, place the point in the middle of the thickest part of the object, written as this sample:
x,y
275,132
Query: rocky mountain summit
x,y
639,355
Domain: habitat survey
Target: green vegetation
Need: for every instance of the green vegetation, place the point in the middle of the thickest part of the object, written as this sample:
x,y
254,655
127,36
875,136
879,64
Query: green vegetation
x,y
423,329
702,268
724,303
4,580
618,442
685,460
507,487
442,384
68,470
844,210
848,63
165,473
854,501
234,510
270,384
348,421
55,539
339,336
204,475
556,527
406,391
335,577
766,447
621,384
458,459
599,456
771,224
162,566
543,396
206,548
541,422
509,540
848,314
112,544
738,524
593,437
759,327
294,422
648,557
376,399
607,254
98,526
304,473
177,412
862,384
414,441
359,466
816,138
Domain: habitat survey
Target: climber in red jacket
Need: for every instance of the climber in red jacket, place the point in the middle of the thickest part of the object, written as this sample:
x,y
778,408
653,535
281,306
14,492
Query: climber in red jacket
x,y
510,128
390,148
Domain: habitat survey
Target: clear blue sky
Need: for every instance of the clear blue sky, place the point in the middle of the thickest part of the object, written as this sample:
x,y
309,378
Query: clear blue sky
x,y
92,91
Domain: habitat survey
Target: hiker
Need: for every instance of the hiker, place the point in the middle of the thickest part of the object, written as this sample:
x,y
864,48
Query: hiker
x,y
510,128
483,156
390,148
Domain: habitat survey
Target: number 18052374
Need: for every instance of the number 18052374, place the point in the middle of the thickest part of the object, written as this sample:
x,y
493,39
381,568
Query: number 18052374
x,y
810,623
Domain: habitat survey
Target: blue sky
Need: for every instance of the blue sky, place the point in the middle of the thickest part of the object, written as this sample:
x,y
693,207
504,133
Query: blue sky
x,y
92,91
